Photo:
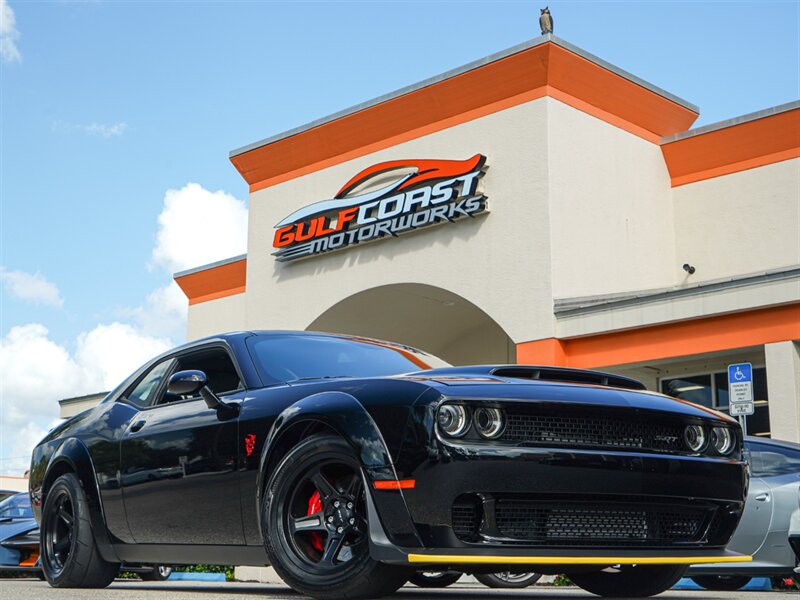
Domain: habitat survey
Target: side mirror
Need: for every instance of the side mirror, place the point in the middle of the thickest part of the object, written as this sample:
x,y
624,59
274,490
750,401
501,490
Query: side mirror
x,y
187,383
190,383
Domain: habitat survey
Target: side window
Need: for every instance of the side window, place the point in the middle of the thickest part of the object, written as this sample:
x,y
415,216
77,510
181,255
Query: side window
x,y
218,367
144,392
771,461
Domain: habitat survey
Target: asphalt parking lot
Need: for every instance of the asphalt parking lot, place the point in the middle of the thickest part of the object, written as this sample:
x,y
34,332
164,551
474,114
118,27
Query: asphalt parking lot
x,y
30,589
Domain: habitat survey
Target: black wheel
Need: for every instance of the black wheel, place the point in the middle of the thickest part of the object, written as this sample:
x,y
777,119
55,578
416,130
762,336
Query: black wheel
x,y
638,581
508,580
314,521
159,573
721,583
70,558
434,579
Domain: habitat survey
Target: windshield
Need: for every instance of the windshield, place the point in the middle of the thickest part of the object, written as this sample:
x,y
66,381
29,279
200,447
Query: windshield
x,y
17,506
296,357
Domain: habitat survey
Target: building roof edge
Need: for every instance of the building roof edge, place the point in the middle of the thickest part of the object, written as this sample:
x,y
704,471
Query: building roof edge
x,y
458,71
206,267
753,116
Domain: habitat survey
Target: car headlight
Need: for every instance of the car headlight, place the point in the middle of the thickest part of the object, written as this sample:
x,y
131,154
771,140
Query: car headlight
x,y
453,419
722,440
695,437
489,422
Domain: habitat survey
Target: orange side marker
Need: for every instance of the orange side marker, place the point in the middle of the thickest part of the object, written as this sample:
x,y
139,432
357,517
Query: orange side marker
x,y
395,484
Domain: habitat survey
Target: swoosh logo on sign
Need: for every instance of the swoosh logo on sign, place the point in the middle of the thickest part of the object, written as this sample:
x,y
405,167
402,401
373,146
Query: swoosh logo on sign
x,y
426,170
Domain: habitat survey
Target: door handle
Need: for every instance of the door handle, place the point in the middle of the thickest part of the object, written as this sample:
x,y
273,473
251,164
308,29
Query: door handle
x,y
763,497
137,426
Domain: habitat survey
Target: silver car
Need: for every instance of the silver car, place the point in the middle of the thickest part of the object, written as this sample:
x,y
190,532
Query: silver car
x,y
763,532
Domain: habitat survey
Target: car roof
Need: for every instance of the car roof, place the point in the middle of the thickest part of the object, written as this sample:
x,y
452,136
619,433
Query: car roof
x,y
240,335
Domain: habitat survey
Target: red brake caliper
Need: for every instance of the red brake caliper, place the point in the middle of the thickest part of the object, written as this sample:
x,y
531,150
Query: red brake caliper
x,y
315,506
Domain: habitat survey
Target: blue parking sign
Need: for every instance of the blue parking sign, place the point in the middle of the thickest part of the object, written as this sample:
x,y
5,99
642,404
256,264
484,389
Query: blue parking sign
x,y
741,373
740,388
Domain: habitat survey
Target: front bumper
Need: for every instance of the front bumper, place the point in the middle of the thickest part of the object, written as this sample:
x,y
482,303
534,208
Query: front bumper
x,y
423,517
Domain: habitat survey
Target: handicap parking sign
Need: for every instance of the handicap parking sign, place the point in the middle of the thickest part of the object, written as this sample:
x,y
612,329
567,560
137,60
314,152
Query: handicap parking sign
x,y
740,382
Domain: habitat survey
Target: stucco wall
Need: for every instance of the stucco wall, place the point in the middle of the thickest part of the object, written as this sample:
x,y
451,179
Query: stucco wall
x,y
741,223
610,210
216,316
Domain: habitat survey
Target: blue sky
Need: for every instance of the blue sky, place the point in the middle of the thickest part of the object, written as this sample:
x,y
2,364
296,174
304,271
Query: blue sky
x,y
108,105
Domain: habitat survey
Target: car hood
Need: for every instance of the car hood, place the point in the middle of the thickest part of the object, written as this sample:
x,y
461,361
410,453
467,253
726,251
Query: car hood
x,y
531,383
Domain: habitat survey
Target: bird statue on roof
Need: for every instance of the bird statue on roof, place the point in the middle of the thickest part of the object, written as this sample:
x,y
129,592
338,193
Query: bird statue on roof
x,y
546,21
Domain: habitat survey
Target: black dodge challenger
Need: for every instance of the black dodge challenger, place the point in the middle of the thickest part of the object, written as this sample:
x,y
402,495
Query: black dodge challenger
x,y
349,463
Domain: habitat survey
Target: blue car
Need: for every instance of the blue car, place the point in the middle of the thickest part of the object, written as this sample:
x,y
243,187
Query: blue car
x,y
19,535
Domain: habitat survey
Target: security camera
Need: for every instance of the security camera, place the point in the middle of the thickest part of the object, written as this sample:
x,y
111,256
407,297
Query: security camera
x,y
689,268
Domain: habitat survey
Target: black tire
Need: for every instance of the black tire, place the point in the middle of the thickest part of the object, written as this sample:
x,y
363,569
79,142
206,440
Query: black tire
x,y
70,558
326,557
434,579
639,581
722,583
508,580
159,573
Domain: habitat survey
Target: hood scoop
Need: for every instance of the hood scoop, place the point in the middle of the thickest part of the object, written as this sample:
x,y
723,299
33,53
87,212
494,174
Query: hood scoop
x,y
564,375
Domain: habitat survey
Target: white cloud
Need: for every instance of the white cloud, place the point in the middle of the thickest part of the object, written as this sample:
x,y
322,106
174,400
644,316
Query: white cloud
x,y
8,34
197,226
19,458
109,353
32,287
106,130
163,312
37,372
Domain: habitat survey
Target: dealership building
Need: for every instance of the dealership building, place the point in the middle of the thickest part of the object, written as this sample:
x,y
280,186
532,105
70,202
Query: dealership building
x,y
538,206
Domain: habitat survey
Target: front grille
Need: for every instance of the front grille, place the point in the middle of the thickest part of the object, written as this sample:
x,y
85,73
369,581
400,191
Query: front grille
x,y
592,431
466,519
583,523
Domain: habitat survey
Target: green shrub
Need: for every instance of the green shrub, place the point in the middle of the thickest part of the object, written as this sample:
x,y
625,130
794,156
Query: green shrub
x,y
562,580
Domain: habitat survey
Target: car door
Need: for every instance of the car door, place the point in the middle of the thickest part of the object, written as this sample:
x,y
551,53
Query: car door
x,y
179,458
780,469
754,525
770,465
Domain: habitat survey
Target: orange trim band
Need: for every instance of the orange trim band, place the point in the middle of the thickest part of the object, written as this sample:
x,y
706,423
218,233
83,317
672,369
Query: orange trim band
x,y
395,484
216,282
767,140
709,334
546,69
403,137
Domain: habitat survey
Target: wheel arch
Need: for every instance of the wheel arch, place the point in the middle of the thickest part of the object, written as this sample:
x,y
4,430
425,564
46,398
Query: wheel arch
x,y
72,456
337,413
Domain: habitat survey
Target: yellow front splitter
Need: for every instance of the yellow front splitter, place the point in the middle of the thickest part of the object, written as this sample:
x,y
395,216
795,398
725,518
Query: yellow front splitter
x,y
465,559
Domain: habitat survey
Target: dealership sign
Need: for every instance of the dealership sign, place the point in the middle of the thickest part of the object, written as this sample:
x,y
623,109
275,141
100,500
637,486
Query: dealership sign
x,y
385,200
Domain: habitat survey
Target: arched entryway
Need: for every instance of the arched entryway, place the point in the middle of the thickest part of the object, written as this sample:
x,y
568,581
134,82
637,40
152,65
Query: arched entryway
x,y
422,316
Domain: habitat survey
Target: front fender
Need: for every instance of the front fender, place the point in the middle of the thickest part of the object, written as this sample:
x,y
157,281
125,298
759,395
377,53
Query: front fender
x,y
345,415
73,455
342,413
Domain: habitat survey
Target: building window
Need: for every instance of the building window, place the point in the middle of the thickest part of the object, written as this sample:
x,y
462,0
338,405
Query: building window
x,y
711,390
